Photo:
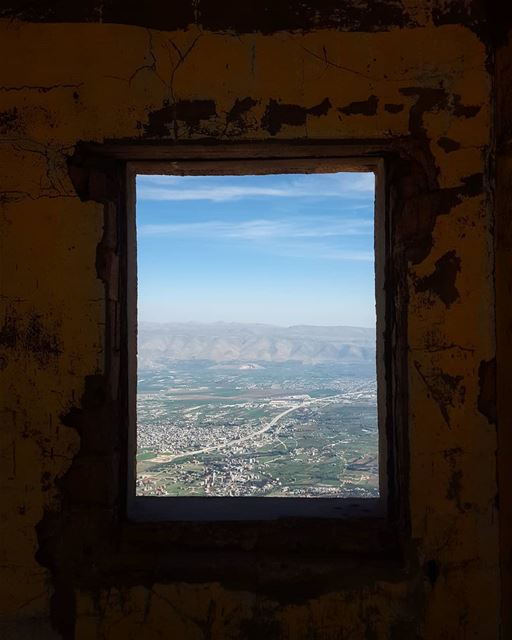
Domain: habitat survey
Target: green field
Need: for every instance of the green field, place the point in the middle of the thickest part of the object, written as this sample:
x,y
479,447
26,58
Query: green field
x,y
326,445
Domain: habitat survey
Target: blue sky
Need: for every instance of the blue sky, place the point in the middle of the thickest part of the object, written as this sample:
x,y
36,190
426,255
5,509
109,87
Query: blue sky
x,y
279,249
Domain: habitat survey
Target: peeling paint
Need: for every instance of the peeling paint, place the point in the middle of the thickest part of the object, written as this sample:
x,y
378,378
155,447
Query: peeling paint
x,y
238,112
29,335
446,389
9,121
442,281
393,108
487,394
464,110
191,112
448,145
364,107
276,115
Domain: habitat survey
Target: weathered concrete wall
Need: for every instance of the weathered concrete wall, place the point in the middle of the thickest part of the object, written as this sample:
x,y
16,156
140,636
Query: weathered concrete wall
x,y
503,244
416,74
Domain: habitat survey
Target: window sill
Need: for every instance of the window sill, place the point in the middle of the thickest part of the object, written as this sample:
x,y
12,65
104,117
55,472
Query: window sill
x,y
222,509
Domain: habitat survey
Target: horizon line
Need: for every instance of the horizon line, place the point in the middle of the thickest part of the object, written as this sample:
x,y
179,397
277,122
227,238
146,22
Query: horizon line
x,y
259,324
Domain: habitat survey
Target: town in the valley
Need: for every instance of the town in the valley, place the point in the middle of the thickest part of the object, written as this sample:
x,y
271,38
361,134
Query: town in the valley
x,y
257,429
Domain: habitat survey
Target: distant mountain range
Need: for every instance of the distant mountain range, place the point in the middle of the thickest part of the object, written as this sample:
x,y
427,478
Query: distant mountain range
x,y
224,342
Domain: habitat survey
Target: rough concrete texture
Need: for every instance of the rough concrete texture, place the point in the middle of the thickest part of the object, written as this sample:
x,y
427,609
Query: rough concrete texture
x,y
503,247
407,72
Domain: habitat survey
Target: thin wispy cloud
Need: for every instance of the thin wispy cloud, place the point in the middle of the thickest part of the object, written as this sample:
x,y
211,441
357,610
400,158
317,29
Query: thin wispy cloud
x,y
287,248
184,188
321,251
314,238
216,194
262,229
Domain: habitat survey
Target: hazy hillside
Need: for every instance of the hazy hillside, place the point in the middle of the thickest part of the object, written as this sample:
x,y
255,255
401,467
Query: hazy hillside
x,y
232,342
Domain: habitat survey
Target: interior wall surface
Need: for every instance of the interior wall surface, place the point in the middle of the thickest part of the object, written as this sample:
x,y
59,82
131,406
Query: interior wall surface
x,y
420,74
503,245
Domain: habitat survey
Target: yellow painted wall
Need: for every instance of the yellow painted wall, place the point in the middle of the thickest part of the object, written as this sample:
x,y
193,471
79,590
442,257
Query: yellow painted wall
x,y
65,83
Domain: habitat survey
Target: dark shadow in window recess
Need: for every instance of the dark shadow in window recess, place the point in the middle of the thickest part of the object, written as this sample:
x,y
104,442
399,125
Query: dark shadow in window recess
x,y
101,534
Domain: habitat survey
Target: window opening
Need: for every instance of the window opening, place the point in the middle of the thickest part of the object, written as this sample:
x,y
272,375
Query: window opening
x,y
256,341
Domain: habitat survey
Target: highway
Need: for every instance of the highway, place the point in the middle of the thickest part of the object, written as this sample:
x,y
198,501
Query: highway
x,y
250,436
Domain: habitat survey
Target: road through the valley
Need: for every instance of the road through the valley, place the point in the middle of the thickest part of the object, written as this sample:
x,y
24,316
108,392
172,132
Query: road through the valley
x,y
249,436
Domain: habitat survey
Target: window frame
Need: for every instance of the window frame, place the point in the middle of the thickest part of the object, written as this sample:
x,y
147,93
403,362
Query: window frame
x,y
248,160
302,557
